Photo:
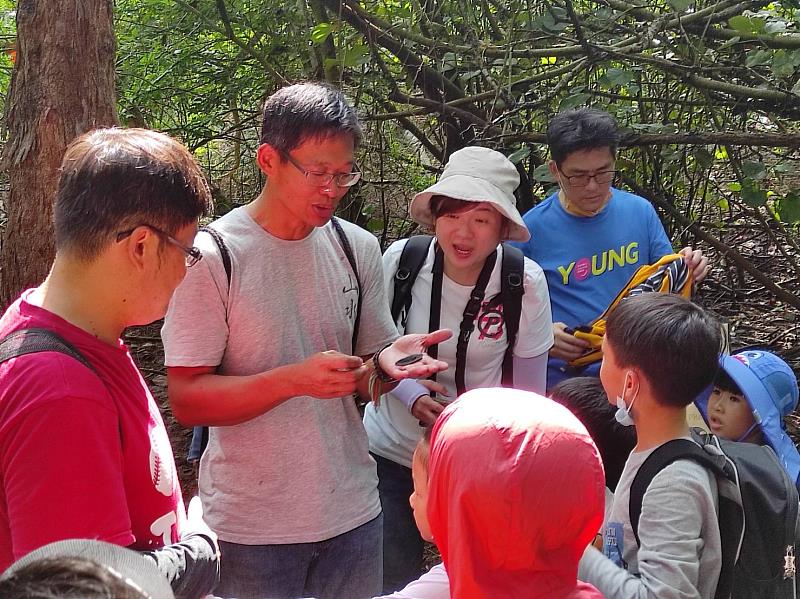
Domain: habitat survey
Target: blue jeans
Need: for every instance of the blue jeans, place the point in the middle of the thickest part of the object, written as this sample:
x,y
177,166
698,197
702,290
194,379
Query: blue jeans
x,y
345,566
402,544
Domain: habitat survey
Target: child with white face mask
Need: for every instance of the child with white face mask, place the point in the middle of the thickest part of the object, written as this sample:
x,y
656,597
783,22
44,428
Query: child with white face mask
x,y
659,352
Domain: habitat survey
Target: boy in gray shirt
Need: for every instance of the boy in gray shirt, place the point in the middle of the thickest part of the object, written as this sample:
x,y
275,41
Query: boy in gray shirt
x,y
659,352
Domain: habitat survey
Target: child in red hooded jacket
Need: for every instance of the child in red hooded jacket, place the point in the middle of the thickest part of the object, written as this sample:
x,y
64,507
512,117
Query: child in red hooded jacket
x,y
514,495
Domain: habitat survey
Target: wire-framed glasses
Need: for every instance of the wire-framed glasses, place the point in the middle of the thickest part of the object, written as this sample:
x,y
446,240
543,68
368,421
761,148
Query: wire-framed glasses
x,y
318,179
601,178
191,253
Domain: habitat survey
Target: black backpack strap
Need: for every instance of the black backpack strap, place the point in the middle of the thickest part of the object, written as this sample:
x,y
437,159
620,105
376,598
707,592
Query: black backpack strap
x,y
34,340
411,260
348,250
511,291
471,311
434,315
677,449
224,252
200,433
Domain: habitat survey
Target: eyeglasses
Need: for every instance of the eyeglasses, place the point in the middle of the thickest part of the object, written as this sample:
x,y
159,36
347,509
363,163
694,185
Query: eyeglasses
x,y
601,178
324,179
191,253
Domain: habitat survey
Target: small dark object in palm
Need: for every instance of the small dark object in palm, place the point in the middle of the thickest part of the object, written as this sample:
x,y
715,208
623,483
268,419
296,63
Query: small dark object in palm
x,y
409,360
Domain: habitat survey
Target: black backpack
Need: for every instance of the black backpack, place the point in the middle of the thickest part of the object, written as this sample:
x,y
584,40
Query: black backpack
x,y
511,291
758,512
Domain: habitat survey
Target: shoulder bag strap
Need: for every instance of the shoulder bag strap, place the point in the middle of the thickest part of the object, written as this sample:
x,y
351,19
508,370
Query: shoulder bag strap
x,y
511,291
348,250
471,311
411,260
34,340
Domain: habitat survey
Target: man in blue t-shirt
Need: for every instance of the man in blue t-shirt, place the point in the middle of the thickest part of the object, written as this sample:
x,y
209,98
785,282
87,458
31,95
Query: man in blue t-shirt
x,y
590,237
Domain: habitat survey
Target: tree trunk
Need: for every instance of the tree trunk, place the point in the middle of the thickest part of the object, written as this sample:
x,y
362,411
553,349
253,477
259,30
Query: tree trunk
x,y
62,86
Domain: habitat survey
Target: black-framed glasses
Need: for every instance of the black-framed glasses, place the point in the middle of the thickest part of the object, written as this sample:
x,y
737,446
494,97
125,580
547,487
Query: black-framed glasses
x,y
318,179
191,253
601,178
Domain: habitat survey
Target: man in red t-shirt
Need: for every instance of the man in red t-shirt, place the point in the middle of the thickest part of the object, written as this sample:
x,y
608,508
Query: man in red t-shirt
x,y
83,449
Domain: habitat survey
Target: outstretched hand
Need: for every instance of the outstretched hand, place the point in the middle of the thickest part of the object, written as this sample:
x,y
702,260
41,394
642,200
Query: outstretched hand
x,y
409,345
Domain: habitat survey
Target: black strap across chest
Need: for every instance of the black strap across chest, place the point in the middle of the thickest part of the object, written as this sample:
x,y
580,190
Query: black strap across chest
x,y
471,310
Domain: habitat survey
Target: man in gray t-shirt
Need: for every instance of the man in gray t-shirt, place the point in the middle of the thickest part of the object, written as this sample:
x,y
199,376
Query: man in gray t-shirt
x,y
265,357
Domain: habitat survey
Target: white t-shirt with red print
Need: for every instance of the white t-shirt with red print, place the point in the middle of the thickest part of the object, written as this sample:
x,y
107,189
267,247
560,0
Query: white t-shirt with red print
x,y
393,432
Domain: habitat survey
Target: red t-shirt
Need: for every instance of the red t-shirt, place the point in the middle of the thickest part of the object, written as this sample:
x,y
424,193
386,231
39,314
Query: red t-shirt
x,y
82,454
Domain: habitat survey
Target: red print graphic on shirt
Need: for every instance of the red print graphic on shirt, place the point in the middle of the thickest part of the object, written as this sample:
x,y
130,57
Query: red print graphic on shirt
x,y
490,321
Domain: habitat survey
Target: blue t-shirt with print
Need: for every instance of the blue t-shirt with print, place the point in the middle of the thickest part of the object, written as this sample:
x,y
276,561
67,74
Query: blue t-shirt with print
x,y
588,260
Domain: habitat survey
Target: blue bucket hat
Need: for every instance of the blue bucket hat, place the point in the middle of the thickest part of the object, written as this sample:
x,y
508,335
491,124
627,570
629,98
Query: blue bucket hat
x,y
770,387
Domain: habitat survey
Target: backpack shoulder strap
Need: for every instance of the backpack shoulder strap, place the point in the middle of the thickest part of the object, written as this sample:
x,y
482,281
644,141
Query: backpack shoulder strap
x,y
677,449
348,250
511,291
34,340
411,260
223,250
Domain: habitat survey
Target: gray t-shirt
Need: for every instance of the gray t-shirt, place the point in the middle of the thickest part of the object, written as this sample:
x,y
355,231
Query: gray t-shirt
x,y
680,553
300,472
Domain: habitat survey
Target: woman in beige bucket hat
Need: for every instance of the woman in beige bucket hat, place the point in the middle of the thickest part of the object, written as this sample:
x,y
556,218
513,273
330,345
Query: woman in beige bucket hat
x,y
471,209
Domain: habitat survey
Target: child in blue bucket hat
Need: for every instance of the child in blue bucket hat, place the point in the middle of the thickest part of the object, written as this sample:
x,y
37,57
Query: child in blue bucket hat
x,y
752,394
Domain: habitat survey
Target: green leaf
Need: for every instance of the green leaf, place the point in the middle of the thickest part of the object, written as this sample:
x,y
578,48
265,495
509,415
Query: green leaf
x,y
735,186
775,27
680,5
703,157
757,58
783,168
573,101
619,76
355,55
723,203
747,24
754,170
788,208
783,63
549,23
542,173
518,156
752,194
320,33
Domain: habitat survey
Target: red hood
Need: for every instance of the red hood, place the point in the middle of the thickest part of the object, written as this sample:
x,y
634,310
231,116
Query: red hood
x,y
516,495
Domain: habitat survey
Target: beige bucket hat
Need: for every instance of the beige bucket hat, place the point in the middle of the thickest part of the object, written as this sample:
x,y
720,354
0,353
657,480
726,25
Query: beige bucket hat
x,y
475,174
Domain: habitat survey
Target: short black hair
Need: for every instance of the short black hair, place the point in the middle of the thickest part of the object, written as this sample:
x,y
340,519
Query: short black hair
x,y
116,179
724,382
586,398
672,341
581,129
304,111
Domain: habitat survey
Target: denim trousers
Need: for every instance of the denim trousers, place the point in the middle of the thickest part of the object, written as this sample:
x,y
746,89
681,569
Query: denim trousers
x,y
402,544
345,566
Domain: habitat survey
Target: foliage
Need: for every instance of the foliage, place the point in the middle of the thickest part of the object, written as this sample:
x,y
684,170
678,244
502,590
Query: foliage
x,y
707,91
